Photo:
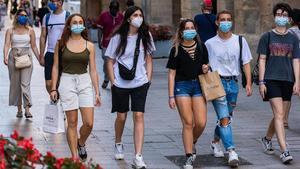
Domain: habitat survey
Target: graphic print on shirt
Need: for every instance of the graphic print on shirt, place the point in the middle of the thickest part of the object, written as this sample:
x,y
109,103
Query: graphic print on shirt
x,y
281,49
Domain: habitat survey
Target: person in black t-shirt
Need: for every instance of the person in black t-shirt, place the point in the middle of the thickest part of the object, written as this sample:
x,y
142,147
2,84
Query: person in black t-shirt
x,y
188,59
42,12
279,56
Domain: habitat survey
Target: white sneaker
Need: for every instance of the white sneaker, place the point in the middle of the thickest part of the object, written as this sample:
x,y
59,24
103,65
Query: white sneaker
x,y
233,159
216,149
285,157
138,162
267,145
119,151
188,163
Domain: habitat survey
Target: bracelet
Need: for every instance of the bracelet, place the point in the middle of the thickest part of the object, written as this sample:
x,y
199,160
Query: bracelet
x,y
261,82
171,97
53,91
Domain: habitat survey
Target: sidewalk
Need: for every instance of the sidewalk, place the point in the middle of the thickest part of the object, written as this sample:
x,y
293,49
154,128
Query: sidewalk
x,y
162,128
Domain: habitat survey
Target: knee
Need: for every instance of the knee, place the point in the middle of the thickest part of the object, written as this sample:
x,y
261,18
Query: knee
x,y
224,122
72,124
139,117
200,124
121,117
188,124
89,125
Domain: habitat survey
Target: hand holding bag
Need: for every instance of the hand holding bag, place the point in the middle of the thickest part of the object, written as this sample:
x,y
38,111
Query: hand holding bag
x,y
22,61
211,86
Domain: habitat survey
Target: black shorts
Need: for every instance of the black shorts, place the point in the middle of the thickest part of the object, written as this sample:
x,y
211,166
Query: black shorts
x,y
281,89
48,65
120,99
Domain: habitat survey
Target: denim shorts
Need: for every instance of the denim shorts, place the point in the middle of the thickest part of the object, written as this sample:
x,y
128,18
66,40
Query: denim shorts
x,y
187,88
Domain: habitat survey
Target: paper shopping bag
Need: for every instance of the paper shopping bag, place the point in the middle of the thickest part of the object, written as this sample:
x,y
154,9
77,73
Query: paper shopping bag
x,y
211,85
53,121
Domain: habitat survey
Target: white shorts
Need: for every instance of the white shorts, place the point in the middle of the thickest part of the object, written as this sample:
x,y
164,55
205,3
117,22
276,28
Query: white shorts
x,y
76,91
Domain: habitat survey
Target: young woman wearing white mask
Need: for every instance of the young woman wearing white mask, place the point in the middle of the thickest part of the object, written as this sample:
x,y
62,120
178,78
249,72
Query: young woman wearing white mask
x,y
78,88
130,47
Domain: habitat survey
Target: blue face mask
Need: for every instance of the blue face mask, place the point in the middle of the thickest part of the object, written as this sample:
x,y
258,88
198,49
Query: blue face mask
x,y
52,6
281,20
22,20
189,34
225,26
77,29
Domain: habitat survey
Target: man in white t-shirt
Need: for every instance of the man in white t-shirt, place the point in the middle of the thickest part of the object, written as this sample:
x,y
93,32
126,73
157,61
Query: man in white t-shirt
x,y
52,28
224,57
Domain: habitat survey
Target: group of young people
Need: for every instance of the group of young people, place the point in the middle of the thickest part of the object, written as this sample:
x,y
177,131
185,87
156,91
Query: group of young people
x,y
71,76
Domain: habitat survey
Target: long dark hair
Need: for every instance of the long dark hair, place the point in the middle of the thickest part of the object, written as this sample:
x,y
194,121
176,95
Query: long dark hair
x,y
123,30
178,37
67,31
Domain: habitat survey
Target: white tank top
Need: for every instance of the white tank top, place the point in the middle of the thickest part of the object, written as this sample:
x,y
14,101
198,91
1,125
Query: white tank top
x,y
20,41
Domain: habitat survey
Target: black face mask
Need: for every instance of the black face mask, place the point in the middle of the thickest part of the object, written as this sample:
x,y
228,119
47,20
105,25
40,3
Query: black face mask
x,y
113,11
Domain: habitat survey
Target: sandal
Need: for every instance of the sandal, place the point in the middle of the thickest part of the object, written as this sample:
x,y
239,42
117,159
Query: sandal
x,y
19,114
28,115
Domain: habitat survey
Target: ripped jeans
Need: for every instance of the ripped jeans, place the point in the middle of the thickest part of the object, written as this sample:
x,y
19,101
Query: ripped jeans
x,y
224,107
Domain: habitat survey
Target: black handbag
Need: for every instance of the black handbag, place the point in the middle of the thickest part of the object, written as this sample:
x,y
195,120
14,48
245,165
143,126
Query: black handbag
x,y
129,74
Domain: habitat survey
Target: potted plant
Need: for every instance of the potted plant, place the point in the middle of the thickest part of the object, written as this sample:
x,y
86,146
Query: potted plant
x,y
162,35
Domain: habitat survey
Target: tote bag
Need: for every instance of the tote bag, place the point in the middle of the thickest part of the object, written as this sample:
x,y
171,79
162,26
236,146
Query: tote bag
x,y
53,120
211,85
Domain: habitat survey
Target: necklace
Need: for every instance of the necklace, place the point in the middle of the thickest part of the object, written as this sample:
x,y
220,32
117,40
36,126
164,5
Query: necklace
x,y
281,33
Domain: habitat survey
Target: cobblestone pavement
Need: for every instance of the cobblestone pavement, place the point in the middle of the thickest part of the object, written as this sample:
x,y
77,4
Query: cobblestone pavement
x,y
163,127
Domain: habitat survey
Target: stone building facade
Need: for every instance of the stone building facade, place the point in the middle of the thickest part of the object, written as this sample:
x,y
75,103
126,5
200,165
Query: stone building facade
x,y
251,17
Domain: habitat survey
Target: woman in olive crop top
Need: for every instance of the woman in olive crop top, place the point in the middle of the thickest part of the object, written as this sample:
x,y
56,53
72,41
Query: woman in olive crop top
x,y
78,87
188,59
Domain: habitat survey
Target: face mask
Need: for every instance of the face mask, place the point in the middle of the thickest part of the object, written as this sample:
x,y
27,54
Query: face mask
x,y
225,26
77,29
281,20
189,34
137,22
52,6
22,20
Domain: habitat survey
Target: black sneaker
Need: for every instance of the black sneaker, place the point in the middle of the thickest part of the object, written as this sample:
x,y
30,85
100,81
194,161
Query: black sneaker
x,y
82,152
105,84
188,163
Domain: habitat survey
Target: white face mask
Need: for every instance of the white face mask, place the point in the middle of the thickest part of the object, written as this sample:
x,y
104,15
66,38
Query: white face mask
x,y
137,22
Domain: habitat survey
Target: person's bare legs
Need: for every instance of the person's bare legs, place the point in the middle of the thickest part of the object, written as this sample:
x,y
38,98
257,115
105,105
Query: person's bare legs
x,y
200,117
72,119
277,107
87,115
119,126
184,105
138,135
286,109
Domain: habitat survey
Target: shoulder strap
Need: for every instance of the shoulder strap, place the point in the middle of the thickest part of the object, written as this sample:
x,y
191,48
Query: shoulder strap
x,y
268,46
241,47
136,52
67,15
47,19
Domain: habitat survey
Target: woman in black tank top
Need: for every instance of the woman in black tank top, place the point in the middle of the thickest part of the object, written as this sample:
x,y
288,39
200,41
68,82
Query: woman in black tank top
x,y
74,83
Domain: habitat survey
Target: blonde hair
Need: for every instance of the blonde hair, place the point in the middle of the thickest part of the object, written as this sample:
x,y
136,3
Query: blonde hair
x,y
177,40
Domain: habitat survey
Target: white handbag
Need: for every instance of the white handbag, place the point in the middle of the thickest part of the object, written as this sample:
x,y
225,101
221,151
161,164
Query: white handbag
x,y
22,61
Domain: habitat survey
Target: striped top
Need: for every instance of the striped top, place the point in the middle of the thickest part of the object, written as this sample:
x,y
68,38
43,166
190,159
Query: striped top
x,y
191,50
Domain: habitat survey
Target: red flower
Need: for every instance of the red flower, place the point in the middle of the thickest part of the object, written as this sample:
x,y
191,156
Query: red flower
x,y
2,164
2,144
34,156
15,135
59,163
26,144
50,155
